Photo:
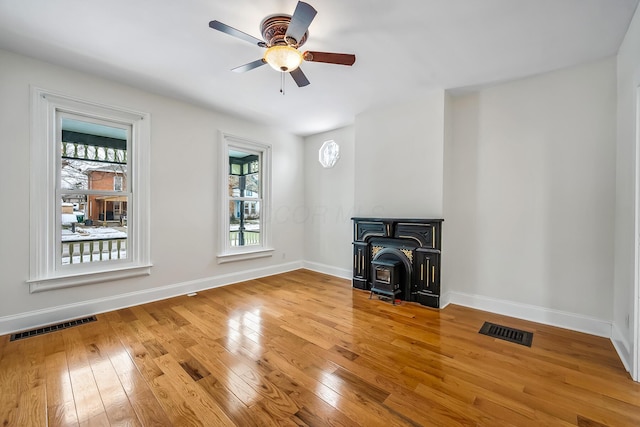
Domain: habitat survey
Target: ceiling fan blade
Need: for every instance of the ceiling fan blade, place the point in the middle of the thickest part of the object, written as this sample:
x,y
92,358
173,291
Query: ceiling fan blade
x,y
299,77
330,58
217,25
250,66
300,21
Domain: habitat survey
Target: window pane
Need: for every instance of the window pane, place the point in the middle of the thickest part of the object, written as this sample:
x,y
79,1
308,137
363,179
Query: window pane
x,y
244,174
252,185
89,175
244,186
234,186
87,147
244,222
93,228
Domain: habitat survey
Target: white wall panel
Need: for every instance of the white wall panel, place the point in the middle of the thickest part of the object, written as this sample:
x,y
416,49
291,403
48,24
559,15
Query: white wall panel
x,y
529,206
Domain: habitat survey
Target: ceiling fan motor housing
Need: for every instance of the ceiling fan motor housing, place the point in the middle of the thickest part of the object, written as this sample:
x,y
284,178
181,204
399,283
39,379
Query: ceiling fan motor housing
x,y
274,29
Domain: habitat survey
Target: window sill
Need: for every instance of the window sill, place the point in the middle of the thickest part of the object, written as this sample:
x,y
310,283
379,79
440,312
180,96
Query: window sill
x,y
241,256
70,280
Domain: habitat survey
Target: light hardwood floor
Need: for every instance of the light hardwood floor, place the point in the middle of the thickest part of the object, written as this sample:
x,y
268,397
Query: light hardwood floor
x,y
303,348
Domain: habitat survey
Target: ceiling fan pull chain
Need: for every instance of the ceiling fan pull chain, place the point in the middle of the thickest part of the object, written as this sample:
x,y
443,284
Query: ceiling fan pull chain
x,y
282,82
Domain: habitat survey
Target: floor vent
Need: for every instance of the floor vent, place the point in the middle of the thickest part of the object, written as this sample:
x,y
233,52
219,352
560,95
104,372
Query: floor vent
x,y
51,328
508,334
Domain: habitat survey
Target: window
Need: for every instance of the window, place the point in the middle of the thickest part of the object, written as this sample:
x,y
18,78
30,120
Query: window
x,y
245,188
117,183
89,173
329,154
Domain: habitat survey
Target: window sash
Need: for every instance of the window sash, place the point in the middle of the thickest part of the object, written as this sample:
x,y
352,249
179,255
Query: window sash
x,y
248,168
112,155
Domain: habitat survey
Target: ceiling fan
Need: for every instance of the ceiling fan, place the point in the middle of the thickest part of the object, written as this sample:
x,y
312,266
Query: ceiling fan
x,y
282,36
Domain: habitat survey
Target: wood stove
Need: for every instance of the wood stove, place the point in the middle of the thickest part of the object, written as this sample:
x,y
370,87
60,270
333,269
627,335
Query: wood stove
x,y
408,249
386,278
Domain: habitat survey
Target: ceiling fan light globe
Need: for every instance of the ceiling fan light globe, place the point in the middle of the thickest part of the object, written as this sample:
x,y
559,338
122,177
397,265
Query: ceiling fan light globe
x,y
283,58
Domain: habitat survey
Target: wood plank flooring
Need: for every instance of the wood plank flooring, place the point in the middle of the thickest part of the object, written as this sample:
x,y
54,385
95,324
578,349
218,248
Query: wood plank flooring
x,y
305,349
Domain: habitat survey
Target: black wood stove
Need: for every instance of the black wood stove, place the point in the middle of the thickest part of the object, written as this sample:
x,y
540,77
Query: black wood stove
x,y
398,258
386,278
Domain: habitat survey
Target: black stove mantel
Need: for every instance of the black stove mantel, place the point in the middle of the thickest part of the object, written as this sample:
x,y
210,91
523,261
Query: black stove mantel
x,y
412,245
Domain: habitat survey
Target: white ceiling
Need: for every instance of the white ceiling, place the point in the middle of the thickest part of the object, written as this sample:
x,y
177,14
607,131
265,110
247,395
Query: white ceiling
x,y
403,48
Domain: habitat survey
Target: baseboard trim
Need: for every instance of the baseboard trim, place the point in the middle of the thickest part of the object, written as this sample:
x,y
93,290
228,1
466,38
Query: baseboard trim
x,y
561,319
622,346
63,313
328,269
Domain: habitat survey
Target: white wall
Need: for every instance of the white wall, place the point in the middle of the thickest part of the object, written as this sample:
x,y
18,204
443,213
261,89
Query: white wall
x,y
183,196
329,195
628,68
398,162
529,208
391,165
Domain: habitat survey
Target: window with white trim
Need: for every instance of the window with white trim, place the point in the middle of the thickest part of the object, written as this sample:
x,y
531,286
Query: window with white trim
x,y
90,165
329,154
245,179
117,182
